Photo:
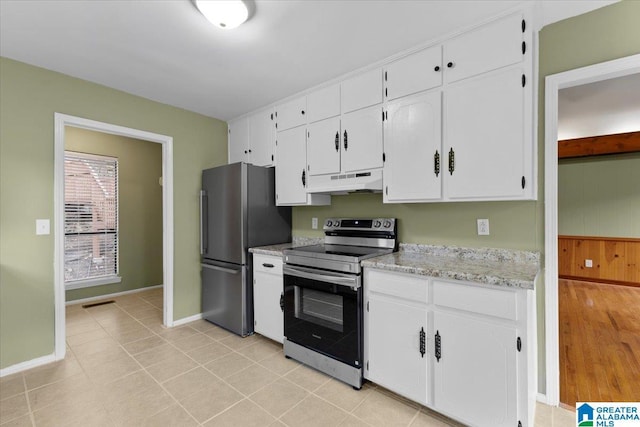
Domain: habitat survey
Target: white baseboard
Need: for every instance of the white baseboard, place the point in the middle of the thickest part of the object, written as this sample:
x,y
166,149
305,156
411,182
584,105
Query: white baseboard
x,y
542,398
23,366
117,294
187,319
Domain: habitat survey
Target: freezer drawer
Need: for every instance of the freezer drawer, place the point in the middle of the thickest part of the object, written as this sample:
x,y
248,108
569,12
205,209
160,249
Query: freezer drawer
x,y
225,297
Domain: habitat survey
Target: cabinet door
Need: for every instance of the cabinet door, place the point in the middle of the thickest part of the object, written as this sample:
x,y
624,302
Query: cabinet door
x,y
362,139
323,147
267,289
492,46
414,73
291,156
239,141
475,379
361,91
291,114
323,103
413,148
394,358
262,138
485,133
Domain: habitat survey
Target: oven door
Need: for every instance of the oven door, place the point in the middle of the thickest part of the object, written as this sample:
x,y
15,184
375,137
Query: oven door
x,y
323,312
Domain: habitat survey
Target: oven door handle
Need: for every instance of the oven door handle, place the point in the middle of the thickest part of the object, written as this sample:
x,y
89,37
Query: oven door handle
x,y
348,280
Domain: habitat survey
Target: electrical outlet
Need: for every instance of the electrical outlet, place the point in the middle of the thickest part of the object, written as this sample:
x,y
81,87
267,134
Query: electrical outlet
x,y
588,263
483,227
314,223
42,227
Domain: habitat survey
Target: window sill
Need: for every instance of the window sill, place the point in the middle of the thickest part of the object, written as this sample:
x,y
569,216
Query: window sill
x,y
79,284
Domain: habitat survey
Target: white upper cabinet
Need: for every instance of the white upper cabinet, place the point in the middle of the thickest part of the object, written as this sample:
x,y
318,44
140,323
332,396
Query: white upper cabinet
x,y
361,91
291,114
262,138
362,139
323,103
413,73
292,177
238,142
323,147
487,145
291,155
487,48
413,148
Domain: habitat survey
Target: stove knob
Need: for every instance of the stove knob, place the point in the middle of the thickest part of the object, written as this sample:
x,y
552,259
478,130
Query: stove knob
x,y
387,224
377,224
329,223
336,224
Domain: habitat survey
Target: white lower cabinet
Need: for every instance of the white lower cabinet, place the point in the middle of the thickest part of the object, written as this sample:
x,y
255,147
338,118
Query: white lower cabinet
x,y
475,377
268,319
459,348
395,331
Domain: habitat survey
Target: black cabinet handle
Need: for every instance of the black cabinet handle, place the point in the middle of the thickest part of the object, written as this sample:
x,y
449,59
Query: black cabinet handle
x,y
338,141
304,178
302,112
450,64
438,346
245,151
267,265
436,163
249,150
437,68
282,301
346,144
423,340
452,161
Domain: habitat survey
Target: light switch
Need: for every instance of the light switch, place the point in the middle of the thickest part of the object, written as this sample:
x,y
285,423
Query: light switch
x,y
42,227
483,227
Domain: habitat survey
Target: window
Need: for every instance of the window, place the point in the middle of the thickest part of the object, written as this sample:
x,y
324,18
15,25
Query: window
x,y
90,219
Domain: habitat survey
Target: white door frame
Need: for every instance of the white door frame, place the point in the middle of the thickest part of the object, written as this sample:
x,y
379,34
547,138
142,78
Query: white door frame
x,y
62,120
554,83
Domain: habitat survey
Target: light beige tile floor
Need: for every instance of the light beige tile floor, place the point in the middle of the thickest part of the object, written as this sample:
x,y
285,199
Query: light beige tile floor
x,y
123,368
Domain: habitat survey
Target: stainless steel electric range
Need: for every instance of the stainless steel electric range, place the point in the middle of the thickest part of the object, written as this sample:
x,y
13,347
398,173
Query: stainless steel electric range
x,y
323,309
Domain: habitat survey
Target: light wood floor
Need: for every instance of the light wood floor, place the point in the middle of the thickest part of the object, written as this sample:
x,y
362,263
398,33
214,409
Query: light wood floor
x,y
599,342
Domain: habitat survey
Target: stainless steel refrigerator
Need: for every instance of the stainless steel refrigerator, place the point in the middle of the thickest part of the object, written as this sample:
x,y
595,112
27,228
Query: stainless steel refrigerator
x,y
237,212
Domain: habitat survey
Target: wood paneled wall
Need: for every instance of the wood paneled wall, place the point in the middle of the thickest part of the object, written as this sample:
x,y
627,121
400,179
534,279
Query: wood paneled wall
x,y
615,260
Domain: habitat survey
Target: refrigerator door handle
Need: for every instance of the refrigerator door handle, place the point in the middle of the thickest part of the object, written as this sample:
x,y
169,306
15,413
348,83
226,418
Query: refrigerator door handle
x,y
204,229
215,267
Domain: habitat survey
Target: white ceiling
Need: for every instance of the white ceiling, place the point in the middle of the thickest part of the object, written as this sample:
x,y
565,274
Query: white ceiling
x,y
601,108
165,50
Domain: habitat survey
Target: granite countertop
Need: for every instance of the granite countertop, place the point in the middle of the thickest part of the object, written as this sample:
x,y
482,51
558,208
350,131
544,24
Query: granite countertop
x,y
276,250
500,267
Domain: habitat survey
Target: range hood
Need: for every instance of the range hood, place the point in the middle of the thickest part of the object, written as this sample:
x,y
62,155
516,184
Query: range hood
x,y
363,181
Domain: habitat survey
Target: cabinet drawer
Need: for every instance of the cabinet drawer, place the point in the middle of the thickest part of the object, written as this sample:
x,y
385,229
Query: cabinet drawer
x,y
323,103
490,302
291,114
267,264
407,286
361,91
414,73
487,48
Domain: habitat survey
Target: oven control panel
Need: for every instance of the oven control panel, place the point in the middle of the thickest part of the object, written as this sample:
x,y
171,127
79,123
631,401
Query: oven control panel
x,y
374,224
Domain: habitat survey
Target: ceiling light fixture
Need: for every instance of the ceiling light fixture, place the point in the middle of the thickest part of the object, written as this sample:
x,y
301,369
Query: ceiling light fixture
x,y
226,14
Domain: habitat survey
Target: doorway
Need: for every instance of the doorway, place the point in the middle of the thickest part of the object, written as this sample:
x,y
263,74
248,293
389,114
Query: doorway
x,y
63,121
554,83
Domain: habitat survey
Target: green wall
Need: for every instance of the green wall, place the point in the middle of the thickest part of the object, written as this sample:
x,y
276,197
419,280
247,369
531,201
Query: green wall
x,y
599,196
30,97
139,207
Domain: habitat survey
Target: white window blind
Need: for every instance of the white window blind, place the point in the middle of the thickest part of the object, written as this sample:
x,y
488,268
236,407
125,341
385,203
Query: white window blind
x,y
90,217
